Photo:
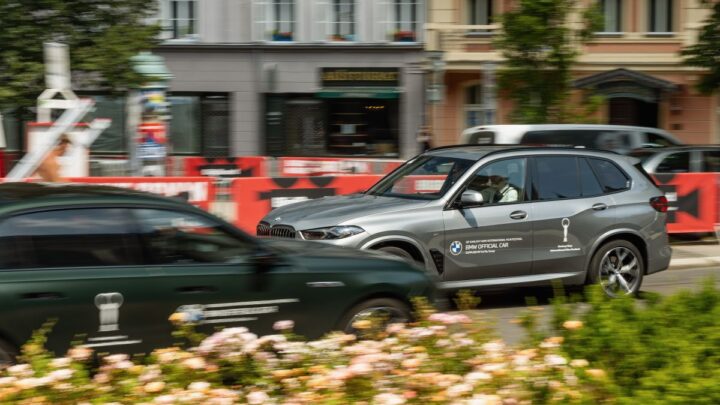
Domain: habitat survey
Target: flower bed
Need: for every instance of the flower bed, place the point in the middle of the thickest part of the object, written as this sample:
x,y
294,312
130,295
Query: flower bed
x,y
443,358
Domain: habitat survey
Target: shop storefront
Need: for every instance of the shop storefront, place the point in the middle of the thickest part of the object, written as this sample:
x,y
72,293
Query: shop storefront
x,y
354,112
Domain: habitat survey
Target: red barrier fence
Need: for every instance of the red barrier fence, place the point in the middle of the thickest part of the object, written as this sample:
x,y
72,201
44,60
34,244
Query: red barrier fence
x,y
245,166
324,166
694,201
255,197
199,191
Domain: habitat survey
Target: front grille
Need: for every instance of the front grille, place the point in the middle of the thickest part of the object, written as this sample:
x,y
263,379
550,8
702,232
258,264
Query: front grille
x,y
282,231
263,229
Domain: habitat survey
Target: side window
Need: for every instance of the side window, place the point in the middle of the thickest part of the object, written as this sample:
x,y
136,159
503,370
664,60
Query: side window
x,y
611,177
711,161
653,140
612,140
172,237
501,182
556,177
675,163
589,185
69,238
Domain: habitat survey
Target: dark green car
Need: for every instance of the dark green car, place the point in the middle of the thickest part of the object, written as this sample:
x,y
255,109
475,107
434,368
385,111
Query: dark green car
x,y
112,265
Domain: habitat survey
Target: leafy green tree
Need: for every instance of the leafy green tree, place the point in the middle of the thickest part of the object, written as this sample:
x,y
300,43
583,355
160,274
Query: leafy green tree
x,y
540,44
706,52
102,36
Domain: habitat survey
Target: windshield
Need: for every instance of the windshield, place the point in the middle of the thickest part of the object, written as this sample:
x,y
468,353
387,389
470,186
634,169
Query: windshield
x,y
427,178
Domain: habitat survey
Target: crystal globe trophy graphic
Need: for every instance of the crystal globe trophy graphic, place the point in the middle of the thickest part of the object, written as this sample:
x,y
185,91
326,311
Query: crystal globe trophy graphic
x,y
565,224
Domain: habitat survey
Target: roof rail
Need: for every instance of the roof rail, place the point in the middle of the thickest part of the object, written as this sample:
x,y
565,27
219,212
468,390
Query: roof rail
x,y
516,147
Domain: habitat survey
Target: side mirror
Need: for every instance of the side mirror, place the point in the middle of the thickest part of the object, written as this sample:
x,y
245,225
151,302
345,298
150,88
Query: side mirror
x,y
263,259
471,198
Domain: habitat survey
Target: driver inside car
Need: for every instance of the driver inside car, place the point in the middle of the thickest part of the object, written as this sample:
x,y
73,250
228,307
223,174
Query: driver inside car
x,y
505,192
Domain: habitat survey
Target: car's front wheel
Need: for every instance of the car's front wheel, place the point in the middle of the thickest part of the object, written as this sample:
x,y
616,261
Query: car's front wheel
x,y
379,311
618,267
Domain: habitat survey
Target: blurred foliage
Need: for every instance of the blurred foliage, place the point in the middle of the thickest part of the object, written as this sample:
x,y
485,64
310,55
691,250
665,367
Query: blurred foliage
x,y
102,35
540,41
706,52
659,350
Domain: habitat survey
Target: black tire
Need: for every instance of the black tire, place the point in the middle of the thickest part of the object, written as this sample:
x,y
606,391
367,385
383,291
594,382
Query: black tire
x,y
618,267
8,354
400,252
391,310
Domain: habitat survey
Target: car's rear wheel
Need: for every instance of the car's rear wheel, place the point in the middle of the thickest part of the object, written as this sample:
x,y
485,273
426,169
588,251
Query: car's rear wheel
x,y
618,267
379,311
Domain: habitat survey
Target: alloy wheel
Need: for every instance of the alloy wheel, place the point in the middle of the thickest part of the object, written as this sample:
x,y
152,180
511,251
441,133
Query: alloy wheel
x,y
619,272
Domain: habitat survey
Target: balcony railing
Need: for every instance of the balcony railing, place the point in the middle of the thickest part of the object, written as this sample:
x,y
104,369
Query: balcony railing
x,y
460,38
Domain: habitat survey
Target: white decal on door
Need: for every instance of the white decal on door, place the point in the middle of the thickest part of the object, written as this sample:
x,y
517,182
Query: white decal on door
x,y
483,246
565,224
109,306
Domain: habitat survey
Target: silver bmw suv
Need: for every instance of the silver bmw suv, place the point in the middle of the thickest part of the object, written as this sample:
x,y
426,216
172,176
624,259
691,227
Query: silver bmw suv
x,y
482,216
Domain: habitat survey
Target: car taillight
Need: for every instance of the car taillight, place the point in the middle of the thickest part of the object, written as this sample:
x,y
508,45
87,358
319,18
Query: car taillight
x,y
659,203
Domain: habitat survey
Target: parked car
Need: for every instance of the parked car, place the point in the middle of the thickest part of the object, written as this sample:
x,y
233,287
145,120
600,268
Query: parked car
x,y
617,138
483,216
111,265
685,159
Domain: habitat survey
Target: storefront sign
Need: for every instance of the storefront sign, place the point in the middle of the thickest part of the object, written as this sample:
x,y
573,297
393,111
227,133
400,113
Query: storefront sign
x,y
255,197
360,77
694,201
199,191
309,166
246,166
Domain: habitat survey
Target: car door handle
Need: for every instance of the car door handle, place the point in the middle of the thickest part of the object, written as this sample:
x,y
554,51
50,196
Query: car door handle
x,y
195,289
599,207
518,215
41,296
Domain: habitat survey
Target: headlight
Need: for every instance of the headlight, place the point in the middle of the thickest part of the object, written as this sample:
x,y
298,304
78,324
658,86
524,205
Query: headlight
x,y
332,232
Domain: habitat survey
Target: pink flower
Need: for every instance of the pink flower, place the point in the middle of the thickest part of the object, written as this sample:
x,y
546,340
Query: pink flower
x,y
389,399
257,397
284,325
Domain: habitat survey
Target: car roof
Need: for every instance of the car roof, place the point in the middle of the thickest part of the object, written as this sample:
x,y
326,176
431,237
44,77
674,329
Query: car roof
x,y
27,195
669,149
540,127
477,152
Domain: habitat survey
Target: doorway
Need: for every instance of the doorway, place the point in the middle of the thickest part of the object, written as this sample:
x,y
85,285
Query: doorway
x,y
631,111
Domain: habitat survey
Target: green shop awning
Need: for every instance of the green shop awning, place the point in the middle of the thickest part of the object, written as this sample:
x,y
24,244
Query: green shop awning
x,y
359,92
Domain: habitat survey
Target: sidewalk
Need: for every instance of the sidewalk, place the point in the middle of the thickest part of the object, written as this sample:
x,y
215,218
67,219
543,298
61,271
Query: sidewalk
x,y
696,254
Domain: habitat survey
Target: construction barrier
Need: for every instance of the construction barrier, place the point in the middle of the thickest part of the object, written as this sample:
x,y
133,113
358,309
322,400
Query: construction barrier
x,y
199,191
694,201
255,197
228,167
327,166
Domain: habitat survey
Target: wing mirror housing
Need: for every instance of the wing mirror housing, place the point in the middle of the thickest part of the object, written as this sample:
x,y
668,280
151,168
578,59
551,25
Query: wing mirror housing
x,y
471,198
263,259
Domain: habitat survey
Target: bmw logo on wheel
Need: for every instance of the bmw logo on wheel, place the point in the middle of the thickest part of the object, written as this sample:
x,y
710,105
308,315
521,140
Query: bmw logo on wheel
x,y
456,248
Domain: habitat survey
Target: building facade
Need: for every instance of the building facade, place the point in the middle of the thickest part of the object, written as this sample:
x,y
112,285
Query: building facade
x,y
295,77
634,62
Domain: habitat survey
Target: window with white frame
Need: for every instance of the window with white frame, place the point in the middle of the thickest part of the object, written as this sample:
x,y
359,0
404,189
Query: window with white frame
x,y
181,19
335,20
611,12
276,19
476,112
661,16
404,17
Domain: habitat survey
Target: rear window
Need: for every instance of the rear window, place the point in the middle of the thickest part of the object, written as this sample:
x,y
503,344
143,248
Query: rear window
x,y
482,137
610,176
